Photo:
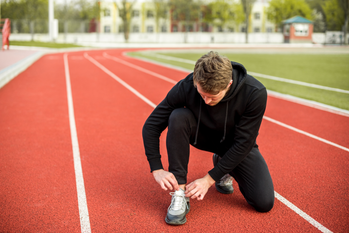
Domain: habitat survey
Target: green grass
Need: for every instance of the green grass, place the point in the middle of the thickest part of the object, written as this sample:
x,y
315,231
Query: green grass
x,y
331,70
43,44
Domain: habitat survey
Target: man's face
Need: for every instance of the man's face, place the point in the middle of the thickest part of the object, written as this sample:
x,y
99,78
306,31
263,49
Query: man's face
x,y
211,99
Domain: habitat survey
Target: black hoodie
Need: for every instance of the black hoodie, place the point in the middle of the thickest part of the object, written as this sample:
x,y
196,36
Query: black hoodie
x,y
233,122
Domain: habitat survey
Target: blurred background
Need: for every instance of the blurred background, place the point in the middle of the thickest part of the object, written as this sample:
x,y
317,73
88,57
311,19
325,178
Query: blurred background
x,y
108,22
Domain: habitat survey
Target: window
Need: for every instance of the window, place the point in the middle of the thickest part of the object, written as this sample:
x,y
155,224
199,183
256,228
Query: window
x,y
135,13
150,29
163,28
243,29
150,14
107,29
287,30
230,29
175,28
106,13
269,29
135,28
257,15
220,29
301,29
256,29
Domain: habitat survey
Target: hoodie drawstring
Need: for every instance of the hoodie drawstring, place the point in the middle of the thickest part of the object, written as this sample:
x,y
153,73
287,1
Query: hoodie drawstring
x,y
197,128
225,122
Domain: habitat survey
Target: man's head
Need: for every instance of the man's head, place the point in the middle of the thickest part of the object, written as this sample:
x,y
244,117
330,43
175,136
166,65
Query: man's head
x,y
212,77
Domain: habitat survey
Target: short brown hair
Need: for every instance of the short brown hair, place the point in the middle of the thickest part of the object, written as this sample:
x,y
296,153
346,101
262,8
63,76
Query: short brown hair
x,y
213,72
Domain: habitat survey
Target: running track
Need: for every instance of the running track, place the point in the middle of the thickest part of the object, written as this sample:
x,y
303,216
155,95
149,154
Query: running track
x,y
78,165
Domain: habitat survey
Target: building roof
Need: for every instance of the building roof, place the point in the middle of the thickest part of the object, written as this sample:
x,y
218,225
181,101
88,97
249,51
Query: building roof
x,y
297,19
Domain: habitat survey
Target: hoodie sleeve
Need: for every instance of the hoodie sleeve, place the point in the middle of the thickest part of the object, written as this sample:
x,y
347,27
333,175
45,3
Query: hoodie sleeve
x,y
246,132
157,123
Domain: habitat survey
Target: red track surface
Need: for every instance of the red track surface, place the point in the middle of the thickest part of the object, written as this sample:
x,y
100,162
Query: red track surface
x,y
38,189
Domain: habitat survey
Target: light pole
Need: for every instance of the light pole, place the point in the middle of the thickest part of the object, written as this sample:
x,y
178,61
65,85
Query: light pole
x,y
50,19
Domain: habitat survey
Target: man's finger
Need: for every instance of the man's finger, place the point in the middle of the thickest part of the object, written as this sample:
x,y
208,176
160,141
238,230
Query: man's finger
x,y
163,186
168,184
173,182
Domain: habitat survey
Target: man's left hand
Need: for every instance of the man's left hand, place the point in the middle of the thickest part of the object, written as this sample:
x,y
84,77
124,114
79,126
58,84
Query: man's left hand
x,y
198,188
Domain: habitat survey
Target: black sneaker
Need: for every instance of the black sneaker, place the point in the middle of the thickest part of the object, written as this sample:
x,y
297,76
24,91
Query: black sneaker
x,y
178,209
225,185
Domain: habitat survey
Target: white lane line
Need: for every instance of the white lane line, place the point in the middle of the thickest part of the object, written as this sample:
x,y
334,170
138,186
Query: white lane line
x,y
119,80
139,68
261,75
305,133
278,196
80,187
290,98
302,214
283,124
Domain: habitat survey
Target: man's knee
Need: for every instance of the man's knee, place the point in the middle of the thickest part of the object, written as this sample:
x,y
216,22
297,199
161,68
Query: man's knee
x,y
180,117
264,204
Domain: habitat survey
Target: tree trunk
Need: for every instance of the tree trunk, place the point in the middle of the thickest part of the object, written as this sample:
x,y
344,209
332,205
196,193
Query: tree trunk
x,y
345,29
246,31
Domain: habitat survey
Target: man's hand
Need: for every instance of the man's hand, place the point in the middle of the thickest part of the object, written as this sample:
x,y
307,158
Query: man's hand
x,y
198,188
166,179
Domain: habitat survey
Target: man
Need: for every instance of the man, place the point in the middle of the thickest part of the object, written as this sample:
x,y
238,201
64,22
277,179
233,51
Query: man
x,y
218,108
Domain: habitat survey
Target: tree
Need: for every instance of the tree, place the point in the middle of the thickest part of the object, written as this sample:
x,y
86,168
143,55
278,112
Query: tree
x,y
247,8
161,11
280,10
186,11
334,15
319,17
344,5
222,12
125,12
219,13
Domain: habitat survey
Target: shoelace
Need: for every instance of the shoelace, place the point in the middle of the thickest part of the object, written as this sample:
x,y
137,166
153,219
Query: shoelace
x,y
177,201
226,180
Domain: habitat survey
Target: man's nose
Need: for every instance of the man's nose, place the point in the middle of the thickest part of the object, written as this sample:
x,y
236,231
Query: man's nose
x,y
208,100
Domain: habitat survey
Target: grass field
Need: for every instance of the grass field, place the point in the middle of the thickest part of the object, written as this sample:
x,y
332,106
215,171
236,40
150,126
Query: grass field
x,y
43,44
329,70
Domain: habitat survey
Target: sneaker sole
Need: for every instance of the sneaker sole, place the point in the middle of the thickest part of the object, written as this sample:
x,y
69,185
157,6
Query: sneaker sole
x,y
219,189
178,222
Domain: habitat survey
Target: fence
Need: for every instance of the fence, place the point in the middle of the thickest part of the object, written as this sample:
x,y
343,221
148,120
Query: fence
x,y
85,31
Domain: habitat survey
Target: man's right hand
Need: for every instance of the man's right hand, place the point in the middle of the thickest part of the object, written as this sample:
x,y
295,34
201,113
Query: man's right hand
x,y
166,179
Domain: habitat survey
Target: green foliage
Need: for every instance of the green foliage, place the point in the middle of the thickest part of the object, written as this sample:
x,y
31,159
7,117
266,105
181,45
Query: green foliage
x,y
125,12
280,10
220,12
25,9
334,15
161,11
38,9
247,8
186,11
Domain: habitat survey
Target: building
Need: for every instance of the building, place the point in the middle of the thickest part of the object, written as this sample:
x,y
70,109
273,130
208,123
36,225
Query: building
x,y
298,30
144,20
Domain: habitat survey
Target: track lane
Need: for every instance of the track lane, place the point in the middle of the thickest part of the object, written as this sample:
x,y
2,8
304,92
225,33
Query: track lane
x,y
328,125
337,188
38,192
200,158
104,111
308,173
321,123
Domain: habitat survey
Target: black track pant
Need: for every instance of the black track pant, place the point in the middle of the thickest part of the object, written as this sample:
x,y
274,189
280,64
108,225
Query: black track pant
x,y
252,173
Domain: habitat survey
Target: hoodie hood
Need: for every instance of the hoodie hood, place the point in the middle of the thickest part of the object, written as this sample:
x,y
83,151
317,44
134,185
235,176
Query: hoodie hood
x,y
239,76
